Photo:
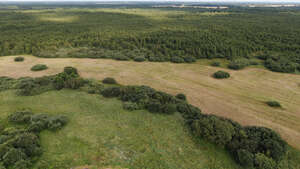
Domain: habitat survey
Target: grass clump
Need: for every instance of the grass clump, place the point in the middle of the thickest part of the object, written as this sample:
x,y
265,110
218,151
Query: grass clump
x,y
39,67
109,80
19,59
273,103
221,75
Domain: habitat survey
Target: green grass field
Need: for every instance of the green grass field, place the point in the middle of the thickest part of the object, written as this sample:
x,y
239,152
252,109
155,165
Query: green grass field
x,y
100,134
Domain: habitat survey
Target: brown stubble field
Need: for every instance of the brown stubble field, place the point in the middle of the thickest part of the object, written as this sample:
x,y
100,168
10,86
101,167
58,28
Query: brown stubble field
x,y
240,97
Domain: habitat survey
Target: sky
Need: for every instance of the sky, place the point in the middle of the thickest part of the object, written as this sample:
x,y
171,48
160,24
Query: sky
x,y
281,1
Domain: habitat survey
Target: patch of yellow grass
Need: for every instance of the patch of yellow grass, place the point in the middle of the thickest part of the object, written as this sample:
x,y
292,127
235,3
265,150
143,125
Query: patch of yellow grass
x,y
240,97
58,18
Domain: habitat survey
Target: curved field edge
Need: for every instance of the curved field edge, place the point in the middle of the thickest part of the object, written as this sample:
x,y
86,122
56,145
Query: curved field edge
x,y
101,133
240,97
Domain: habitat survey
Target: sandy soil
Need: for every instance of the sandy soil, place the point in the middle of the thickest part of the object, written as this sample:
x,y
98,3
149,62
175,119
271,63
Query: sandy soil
x,y
240,97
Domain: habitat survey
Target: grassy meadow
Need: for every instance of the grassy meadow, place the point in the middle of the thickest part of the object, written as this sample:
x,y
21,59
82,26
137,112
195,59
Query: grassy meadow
x,y
101,134
242,97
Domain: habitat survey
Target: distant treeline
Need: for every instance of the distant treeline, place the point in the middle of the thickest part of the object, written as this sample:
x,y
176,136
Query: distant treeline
x,y
182,35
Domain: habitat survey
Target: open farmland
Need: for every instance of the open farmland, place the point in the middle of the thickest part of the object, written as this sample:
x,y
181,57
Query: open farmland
x,y
240,97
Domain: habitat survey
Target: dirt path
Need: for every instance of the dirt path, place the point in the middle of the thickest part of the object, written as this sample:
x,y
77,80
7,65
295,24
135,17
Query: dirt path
x,y
240,98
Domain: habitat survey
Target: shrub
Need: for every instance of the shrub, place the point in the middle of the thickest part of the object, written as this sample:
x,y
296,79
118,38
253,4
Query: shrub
x,y
189,59
245,158
177,59
121,57
68,80
4,148
56,122
280,65
29,143
70,70
137,94
111,92
43,81
22,164
74,83
189,112
140,59
154,106
263,140
215,63
20,117
19,59
131,106
253,62
169,108
263,162
221,75
13,156
273,103
214,129
181,96
109,80
39,67
59,81
238,64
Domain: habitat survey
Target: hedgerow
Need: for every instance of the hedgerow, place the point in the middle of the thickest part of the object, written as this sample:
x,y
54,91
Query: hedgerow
x,y
246,144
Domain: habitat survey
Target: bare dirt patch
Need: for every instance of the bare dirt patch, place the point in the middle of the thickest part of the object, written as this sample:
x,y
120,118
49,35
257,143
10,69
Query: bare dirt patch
x,y
241,97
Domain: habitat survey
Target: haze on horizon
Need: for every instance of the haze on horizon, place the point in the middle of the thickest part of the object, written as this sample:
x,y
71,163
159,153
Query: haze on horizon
x,y
231,1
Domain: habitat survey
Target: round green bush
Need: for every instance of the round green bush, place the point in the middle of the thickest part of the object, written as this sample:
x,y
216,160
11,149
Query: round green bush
x,y
214,129
139,59
215,63
221,75
39,67
109,80
181,96
19,59
273,103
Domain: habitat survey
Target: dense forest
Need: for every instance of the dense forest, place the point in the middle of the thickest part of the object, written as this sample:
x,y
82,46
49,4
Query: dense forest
x,y
144,33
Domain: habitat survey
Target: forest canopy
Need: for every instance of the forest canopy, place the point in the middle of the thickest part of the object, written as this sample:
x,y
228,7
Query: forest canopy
x,y
176,35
